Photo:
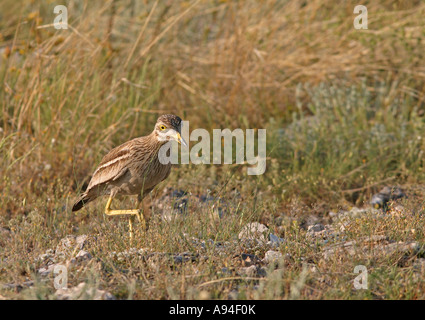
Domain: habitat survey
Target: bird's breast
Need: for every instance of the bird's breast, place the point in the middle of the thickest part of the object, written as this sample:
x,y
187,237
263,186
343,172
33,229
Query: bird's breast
x,y
148,175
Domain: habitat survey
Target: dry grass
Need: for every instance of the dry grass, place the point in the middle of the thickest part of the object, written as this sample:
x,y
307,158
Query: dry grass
x,y
343,109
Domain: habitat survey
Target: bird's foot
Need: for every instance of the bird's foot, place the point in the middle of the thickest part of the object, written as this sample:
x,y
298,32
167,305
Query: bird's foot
x,y
132,213
136,212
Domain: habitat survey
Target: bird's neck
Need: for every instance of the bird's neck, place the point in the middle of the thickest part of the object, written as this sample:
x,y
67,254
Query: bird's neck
x,y
155,141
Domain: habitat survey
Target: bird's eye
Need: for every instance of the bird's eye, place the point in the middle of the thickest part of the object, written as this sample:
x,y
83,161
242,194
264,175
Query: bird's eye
x,y
162,127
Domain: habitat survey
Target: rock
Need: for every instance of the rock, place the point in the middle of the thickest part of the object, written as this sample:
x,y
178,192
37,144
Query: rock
x,y
254,231
374,245
322,232
248,271
252,271
18,286
381,199
184,257
82,292
275,240
69,244
309,220
272,256
355,212
402,247
47,258
178,259
82,256
64,254
249,259
132,252
315,228
45,271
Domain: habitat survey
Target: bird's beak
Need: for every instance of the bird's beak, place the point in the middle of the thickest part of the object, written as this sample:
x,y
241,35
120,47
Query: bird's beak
x,y
179,139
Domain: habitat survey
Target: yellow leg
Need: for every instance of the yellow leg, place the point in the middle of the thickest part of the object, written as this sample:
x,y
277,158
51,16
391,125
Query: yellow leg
x,y
110,212
130,227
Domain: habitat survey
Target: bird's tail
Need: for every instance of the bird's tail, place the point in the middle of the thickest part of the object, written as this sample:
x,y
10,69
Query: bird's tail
x,y
82,200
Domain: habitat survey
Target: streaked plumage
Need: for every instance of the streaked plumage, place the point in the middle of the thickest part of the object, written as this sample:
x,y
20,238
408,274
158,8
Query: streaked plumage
x,y
133,168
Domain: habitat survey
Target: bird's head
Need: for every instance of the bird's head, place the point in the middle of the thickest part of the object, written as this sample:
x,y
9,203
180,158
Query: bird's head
x,y
168,127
